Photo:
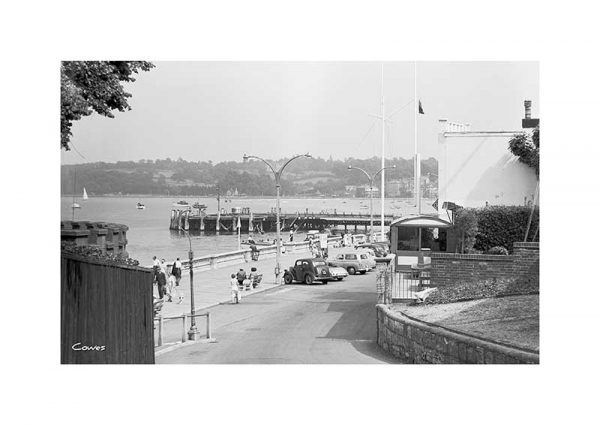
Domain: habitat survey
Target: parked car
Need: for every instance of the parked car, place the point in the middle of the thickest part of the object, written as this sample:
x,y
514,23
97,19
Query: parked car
x,y
378,250
358,239
370,253
351,261
384,245
308,270
368,256
338,272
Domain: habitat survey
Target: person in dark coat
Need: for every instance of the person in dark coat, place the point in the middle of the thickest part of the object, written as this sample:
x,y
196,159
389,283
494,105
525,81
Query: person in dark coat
x,y
162,284
176,271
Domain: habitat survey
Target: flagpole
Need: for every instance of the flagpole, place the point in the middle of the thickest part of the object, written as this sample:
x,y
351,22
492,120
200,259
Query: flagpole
x,y
382,153
417,165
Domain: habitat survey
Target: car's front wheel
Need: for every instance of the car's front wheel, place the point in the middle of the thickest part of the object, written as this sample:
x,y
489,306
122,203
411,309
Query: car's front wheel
x,y
309,279
339,278
351,270
287,278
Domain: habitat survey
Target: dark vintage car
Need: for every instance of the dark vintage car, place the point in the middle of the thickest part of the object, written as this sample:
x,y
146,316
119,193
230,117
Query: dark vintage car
x,y
308,270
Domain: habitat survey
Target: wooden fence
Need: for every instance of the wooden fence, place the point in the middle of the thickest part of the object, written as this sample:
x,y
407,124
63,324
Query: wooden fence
x,y
106,312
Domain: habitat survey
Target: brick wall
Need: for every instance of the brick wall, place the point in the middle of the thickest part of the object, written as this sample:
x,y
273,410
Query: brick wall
x,y
521,266
418,342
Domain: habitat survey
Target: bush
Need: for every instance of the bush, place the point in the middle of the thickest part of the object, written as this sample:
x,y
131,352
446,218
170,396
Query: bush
x,y
94,252
466,227
498,250
501,226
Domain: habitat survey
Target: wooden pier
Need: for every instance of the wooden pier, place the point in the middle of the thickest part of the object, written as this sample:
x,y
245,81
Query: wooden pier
x,y
267,222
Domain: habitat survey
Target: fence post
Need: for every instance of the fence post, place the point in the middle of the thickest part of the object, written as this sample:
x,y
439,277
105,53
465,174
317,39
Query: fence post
x,y
160,330
184,327
208,325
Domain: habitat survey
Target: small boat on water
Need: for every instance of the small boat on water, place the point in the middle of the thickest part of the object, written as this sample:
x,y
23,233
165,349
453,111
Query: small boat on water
x,y
75,205
199,206
364,207
85,195
140,206
181,205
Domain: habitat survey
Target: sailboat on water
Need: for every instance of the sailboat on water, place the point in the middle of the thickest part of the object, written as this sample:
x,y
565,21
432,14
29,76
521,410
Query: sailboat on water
x,y
85,198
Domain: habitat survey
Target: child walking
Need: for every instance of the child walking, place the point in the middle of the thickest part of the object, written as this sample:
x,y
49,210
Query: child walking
x,y
235,290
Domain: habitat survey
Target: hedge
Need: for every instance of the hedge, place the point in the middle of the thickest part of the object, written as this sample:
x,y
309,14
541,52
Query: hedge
x,y
504,225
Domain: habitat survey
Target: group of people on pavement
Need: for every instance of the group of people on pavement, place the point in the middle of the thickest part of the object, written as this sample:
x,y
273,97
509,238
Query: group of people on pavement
x,y
167,280
240,282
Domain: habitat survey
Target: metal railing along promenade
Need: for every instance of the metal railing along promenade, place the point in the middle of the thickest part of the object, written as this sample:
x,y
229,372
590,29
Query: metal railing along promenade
x,y
184,329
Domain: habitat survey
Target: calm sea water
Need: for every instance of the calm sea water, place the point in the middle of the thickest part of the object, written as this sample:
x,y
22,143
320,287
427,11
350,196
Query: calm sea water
x,y
149,232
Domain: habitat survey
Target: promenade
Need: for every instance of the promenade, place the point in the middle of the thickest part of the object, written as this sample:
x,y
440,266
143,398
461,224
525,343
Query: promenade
x,y
211,287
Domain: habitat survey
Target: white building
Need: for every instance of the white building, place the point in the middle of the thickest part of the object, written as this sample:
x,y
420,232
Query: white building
x,y
477,169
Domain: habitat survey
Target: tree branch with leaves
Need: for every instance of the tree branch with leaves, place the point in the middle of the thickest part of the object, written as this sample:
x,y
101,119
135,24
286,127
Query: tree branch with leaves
x,y
94,86
527,148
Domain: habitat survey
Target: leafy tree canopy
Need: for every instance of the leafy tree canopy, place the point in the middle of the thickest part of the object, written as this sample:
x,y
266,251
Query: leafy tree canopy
x,y
527,148
88,86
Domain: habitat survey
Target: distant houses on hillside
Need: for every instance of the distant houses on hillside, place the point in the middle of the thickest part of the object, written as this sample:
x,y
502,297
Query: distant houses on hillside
x,y
397,188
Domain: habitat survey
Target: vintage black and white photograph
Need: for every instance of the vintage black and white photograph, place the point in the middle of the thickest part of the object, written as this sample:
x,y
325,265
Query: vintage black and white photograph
x,y
299,212
318,212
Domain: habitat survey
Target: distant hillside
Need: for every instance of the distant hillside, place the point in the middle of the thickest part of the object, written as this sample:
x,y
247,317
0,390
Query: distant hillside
x,y
179,177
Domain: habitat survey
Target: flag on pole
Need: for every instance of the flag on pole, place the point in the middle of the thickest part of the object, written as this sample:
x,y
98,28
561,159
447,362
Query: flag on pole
x,y
421,108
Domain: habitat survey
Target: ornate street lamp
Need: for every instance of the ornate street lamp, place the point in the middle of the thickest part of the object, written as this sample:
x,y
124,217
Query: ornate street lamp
x,y
371,179
277,175
193,332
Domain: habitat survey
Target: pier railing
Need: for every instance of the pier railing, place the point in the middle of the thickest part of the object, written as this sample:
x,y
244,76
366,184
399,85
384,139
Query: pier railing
x,y
217,261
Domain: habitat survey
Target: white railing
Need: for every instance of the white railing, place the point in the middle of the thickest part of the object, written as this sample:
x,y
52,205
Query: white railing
x,y
216,261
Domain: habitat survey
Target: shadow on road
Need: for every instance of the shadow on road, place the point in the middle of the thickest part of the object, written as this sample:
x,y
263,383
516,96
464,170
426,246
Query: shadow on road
x,y
357,324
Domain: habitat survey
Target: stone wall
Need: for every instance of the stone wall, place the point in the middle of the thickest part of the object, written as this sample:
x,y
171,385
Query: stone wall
x,y
111,238
521,266
419,342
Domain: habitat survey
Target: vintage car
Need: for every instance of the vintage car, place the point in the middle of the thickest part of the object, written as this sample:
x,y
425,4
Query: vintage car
x,y
308,270
338,272
351,261
378,249
367,255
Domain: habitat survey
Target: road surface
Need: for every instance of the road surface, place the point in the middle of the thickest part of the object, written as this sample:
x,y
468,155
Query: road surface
x,y
293,324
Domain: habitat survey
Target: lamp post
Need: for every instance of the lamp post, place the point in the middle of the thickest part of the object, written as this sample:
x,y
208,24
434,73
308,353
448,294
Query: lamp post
x,y
277,175
371,179
193,332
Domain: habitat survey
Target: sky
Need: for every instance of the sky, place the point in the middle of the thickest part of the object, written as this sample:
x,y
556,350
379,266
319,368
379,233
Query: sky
x,y
218,111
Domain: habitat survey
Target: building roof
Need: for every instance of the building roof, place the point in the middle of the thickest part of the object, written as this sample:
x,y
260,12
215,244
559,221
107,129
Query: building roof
x,y
422,220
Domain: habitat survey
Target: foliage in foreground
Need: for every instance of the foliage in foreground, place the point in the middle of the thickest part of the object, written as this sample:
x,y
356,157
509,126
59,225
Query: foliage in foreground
x,y
93,86
96,253
501,226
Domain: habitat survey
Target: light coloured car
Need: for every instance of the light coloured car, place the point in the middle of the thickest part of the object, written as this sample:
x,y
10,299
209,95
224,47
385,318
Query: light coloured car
x,y
351,261
338,272
370,256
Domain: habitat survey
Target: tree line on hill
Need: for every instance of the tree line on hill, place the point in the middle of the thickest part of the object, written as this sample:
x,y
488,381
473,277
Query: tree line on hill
x,y
303,176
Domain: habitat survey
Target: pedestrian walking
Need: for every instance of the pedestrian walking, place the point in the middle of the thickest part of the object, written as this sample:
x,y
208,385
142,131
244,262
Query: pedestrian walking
x,y
292,235
162,284
235,290
176,271
172,288
155,268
